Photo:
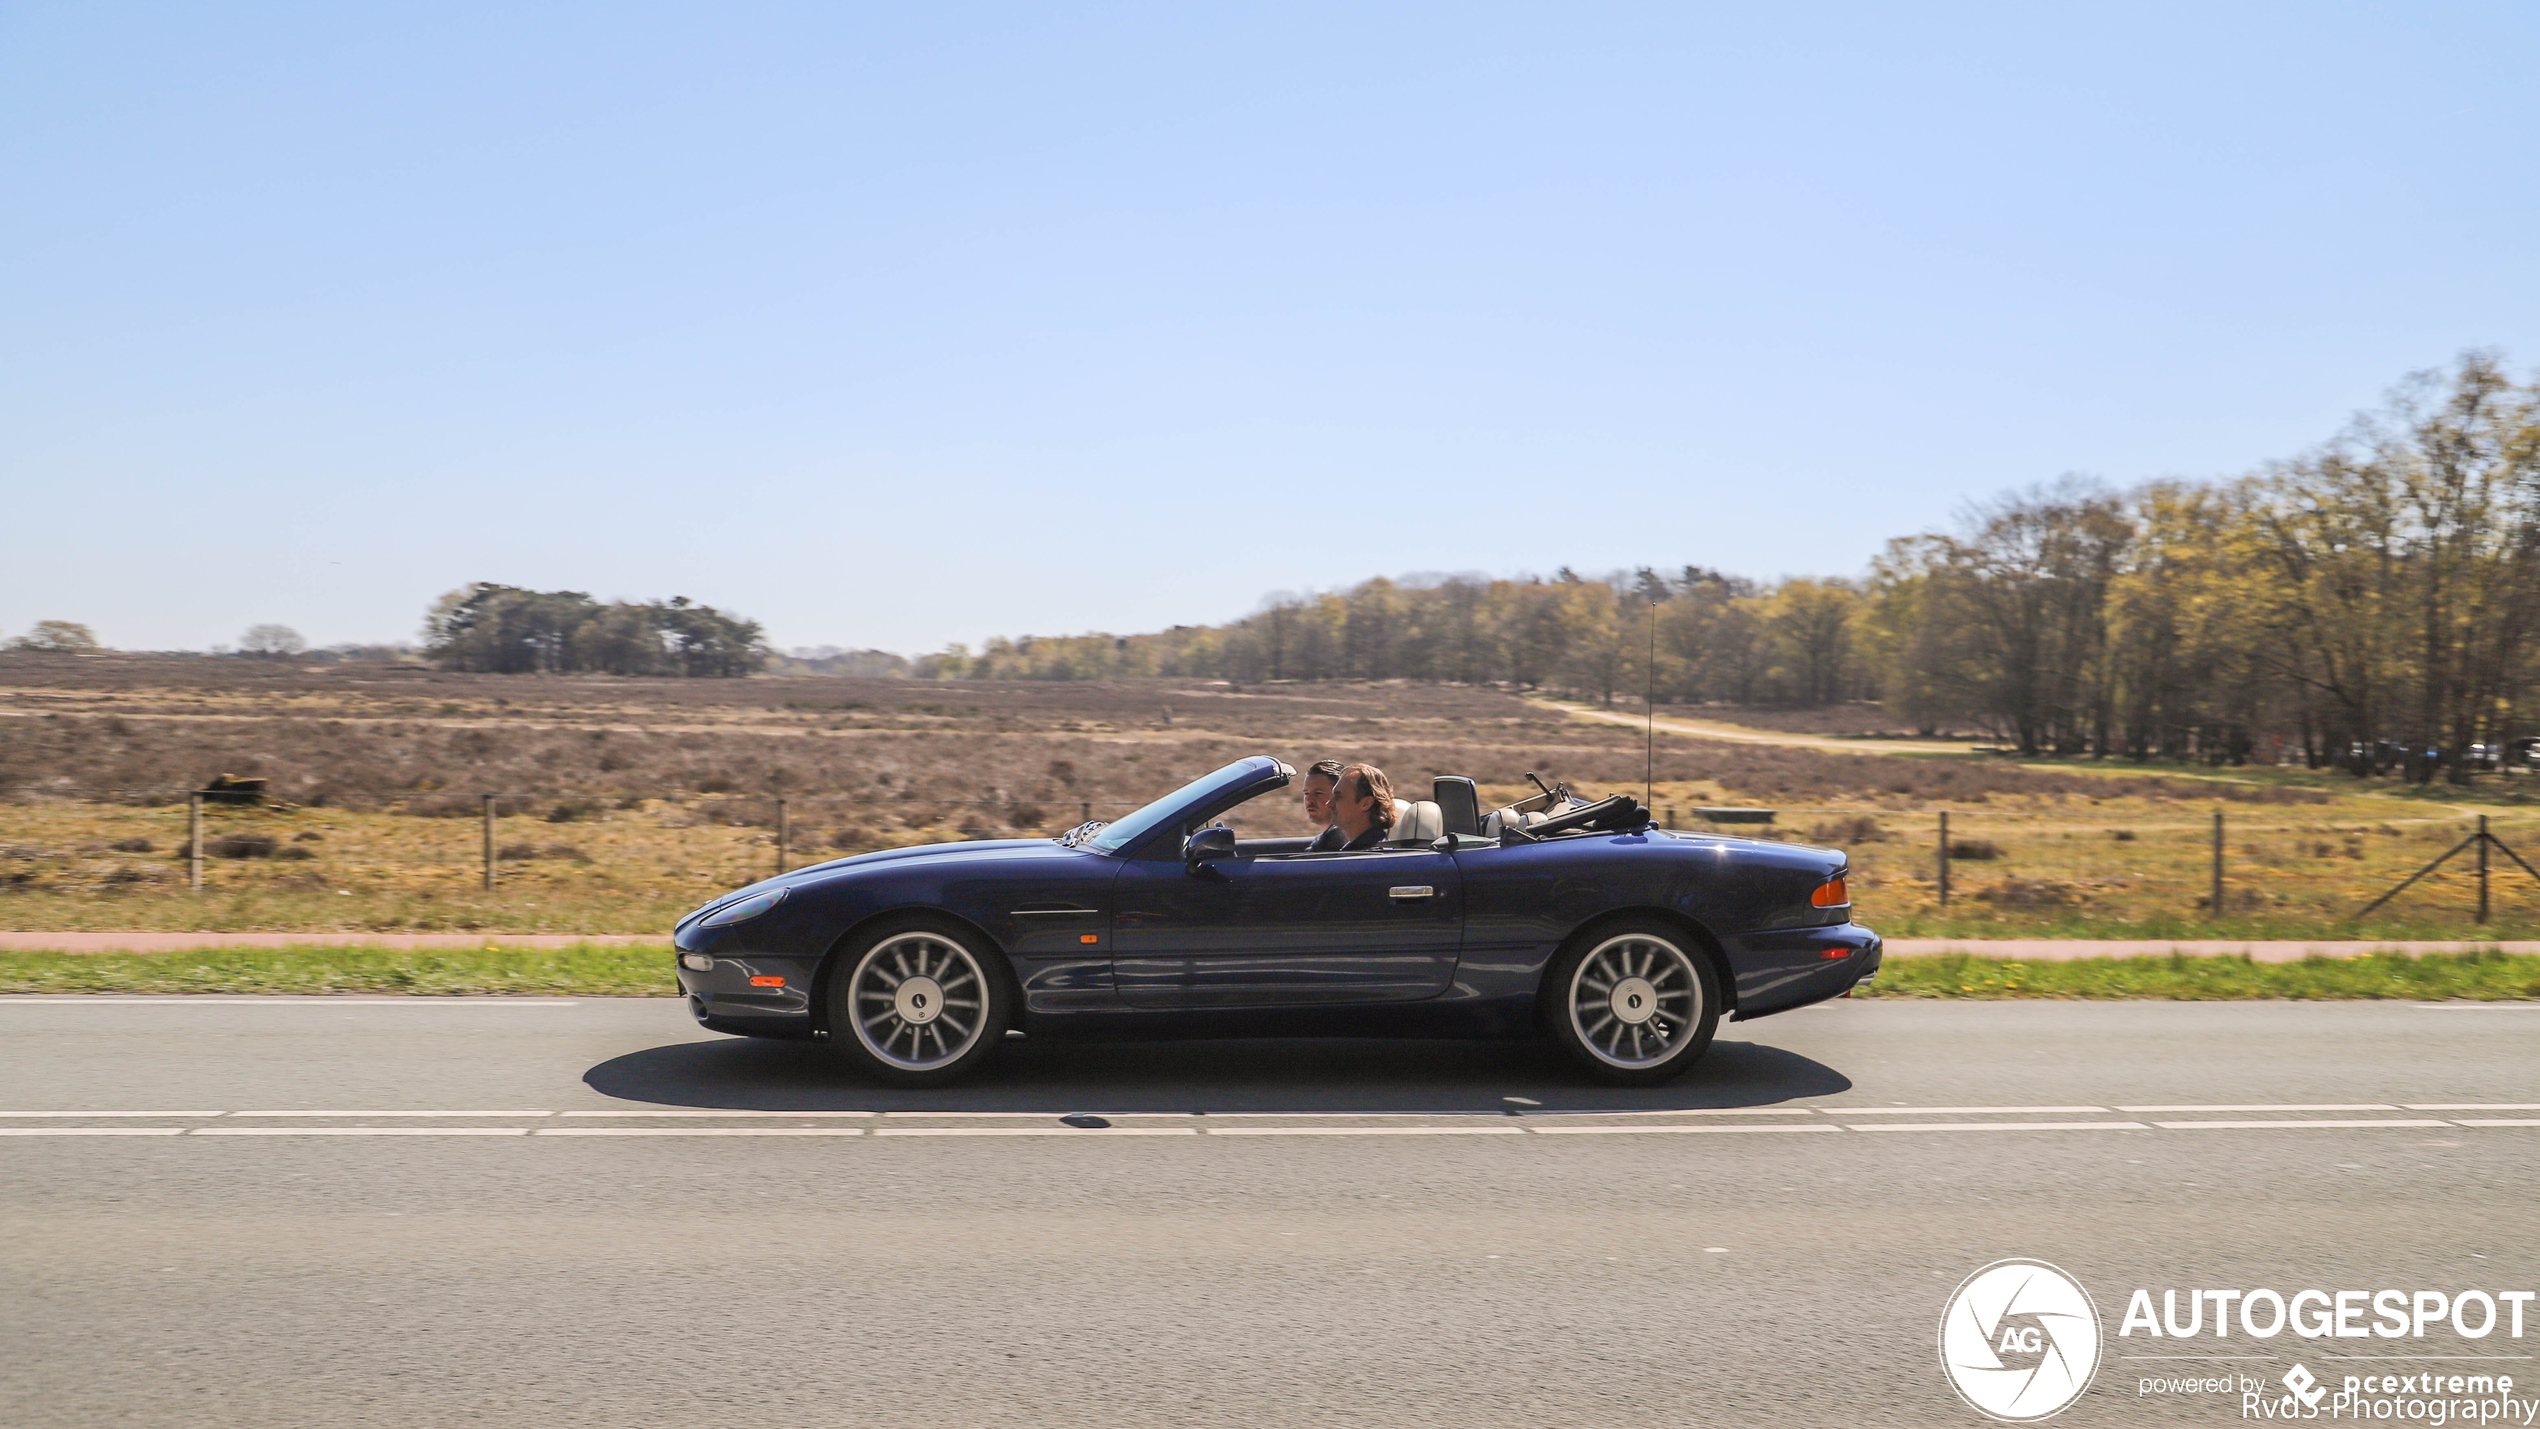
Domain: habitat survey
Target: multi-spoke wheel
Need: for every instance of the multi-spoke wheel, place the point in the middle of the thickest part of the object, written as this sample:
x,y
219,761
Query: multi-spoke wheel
x,y
918,1003
1636,1003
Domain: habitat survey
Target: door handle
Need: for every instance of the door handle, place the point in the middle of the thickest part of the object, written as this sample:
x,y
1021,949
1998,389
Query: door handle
x,y
1410,891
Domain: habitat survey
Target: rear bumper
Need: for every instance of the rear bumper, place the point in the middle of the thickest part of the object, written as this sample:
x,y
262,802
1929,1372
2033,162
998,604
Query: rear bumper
x,y
1783,969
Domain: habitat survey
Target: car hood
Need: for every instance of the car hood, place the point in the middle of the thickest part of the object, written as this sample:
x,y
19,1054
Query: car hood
x,y
971,850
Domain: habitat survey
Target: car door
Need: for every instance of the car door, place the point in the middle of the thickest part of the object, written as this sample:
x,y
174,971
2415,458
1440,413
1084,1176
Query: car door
x,y
1297,929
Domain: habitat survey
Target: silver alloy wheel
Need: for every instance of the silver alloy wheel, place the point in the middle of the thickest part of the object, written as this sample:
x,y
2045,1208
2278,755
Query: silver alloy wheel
x,y
920,1000
1634,1000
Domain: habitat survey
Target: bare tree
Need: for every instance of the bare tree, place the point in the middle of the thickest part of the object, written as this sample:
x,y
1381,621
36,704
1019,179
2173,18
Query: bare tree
x,y
271,642
59,637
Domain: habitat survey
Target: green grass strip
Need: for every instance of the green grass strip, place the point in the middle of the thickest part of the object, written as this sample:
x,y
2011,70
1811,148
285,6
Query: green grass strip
x,y
614,970
2480,976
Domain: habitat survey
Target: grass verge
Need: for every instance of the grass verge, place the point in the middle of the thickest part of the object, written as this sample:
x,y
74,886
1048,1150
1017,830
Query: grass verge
x,y
2481,976
611,970
644,971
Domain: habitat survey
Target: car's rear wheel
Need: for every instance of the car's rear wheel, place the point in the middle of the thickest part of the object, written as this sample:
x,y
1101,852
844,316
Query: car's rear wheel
x,y
919,1002
1633,1003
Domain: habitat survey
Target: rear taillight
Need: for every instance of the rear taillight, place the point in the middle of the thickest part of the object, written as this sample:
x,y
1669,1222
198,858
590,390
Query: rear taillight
x,y
1831,894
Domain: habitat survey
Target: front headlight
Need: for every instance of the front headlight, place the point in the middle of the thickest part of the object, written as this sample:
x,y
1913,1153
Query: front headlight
x,y
744,910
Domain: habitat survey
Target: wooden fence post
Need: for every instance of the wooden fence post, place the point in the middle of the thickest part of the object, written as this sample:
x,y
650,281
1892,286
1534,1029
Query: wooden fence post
x,y
1944,858
194,839
2214,899
489,843
781,831
2482,871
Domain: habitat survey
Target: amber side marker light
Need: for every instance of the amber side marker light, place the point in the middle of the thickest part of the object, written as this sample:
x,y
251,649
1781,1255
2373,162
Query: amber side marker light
x,y
1089,937
767,982
1830,894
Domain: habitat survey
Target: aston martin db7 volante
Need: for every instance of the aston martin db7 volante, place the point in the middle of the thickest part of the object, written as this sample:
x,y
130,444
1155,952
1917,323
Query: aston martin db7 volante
x,y
1578,920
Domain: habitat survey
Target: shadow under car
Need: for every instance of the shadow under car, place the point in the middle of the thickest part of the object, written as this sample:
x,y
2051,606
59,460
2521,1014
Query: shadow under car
x,y
1325,1075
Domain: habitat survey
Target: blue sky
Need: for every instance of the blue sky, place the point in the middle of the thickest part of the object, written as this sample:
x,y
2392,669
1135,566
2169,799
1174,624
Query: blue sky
x,y
896,325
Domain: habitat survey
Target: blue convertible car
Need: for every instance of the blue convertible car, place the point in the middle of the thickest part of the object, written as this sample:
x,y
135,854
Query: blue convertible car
x,y
1622,942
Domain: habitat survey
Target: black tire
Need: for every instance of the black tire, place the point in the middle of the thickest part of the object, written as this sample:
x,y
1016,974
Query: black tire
x,y
935,1001
1634,1002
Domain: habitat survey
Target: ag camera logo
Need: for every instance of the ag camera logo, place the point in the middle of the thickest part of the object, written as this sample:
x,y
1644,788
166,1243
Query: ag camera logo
x,y
2019,1341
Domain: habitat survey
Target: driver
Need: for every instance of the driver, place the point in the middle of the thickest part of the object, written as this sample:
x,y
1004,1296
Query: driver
x,y
1319,782
1362,806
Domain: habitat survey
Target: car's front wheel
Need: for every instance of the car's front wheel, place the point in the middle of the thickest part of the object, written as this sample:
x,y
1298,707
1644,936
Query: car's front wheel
x,y
1634,1003
918,1002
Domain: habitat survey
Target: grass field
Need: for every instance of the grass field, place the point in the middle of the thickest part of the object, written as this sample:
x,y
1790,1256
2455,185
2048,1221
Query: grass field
x,y
2478,976
596,970
627,802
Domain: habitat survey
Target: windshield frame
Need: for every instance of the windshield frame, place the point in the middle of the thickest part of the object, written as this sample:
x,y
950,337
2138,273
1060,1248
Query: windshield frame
x,y
1220,788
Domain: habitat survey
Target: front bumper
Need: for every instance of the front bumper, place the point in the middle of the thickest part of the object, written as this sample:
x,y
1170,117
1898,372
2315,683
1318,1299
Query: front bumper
x,y
750,994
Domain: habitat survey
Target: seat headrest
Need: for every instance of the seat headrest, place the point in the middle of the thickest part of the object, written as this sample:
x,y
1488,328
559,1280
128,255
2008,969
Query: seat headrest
x,y
1459,804
1416,821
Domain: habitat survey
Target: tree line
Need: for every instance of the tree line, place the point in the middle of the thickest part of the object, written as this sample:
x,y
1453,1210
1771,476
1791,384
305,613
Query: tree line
x,y
2369,605
504,629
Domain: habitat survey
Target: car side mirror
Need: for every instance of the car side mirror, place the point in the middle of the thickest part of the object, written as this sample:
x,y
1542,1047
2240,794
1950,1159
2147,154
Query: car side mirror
x,y
1207,846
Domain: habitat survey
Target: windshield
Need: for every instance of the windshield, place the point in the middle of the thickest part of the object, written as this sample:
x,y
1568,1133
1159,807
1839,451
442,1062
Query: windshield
x,y
1123,832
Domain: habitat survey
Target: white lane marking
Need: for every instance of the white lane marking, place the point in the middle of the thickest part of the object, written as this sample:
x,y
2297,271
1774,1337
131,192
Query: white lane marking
x,y
393,1113
702,1115
1041,1131
2473,1106
2001,1126
2475,1006
1959,1110
2271,1106
2244,1125
700,1131
23,1115
1038,1115
1679,1111
1369,1131
1642,1130
357,1131
1267,1115
92,1131
1675,1130
83,999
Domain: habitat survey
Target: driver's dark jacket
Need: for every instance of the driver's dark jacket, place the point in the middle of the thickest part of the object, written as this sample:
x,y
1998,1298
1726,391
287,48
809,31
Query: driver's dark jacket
x,y
1328,841
1373,836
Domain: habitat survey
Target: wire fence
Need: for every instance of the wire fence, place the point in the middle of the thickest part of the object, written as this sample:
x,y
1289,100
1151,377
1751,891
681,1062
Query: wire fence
x,y
1958,862
229,823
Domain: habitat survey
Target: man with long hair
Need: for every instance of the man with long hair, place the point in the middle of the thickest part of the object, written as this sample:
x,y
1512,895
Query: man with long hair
x,y
1363,806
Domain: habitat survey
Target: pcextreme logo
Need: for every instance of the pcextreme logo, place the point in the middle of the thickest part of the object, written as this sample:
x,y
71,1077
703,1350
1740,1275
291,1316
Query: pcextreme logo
x,y
2019,1341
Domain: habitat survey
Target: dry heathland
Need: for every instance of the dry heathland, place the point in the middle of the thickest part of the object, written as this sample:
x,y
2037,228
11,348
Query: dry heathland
x,y
625,801
370,732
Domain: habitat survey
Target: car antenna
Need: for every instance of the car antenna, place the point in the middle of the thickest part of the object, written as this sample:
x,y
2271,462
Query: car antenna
x,y
1649,715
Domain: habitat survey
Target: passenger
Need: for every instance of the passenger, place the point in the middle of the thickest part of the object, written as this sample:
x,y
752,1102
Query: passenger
x,y
1319,782
1363,807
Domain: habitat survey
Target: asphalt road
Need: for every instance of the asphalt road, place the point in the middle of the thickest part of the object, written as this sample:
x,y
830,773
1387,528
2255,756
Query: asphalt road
x,y
1352,1233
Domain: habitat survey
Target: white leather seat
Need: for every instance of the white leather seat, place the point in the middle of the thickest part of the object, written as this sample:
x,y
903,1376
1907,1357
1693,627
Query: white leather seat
x,y
1497,819
1417,821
